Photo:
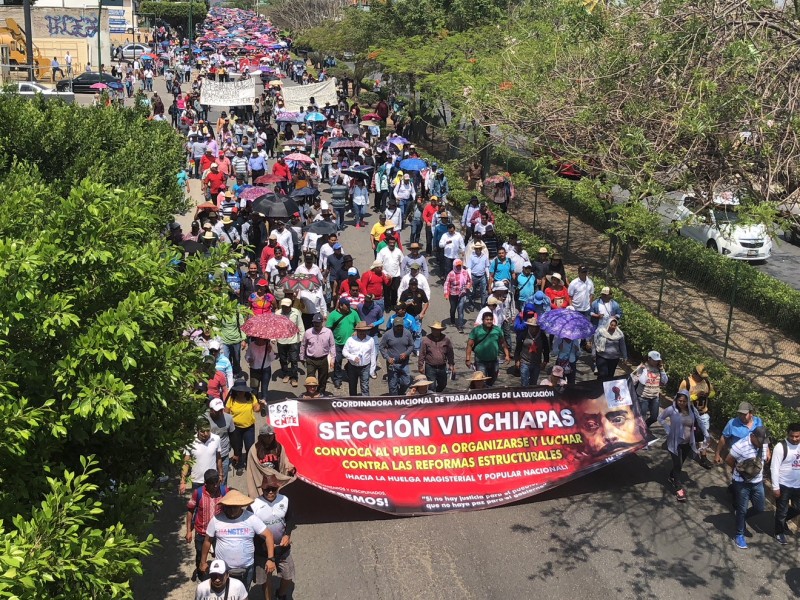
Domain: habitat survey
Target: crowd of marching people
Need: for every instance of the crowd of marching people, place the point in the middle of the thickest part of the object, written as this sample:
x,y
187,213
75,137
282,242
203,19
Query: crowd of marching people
x,y
260,172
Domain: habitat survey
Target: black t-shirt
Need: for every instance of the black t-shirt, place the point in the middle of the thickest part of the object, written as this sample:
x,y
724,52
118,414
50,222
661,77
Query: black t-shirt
x,y
419,297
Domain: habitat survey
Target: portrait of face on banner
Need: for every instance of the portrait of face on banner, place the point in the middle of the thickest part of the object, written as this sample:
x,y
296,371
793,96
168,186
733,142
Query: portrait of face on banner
x,y
460,451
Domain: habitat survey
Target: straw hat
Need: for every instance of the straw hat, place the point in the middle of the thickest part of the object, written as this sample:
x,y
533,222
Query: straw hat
x,y
362,326
438,325
420,380
236,498
478,376
311,381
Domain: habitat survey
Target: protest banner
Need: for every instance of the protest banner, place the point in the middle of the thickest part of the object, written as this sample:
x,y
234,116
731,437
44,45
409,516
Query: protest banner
x,y
298,96
232,93
458,451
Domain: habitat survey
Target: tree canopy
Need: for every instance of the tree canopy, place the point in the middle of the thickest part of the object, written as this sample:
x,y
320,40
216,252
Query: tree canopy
x,y
95,372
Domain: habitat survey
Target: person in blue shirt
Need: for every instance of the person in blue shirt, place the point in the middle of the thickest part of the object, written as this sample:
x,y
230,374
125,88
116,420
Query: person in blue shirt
x,y
258,165
409,322
501,269
736,429
526,283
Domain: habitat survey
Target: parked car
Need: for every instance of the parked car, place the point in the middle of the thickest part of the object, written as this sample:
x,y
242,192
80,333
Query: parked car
x,y
83,82
29,89
714,224
131,51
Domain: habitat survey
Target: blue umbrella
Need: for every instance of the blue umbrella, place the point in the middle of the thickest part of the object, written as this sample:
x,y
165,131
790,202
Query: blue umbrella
x,y
115,85
413,164
146,58
398,140
566,323
315,117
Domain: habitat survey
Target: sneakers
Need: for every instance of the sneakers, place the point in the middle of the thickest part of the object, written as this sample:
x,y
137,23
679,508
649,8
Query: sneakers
x,y
373,376
286,379
294,382
740,542
680,495
781,539
358,225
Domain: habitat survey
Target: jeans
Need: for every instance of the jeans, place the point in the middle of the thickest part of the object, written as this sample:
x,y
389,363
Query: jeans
x,y
340,216
438,375
428,240
261,377
358,374
783,511
226,464
416,229
318,367
457,304
338,373
649,406
399,379
684,452
479,291
234,353
448,264
289,354
744,493
488,368
239,436
199,540
360,210
324,170
606,367
529,372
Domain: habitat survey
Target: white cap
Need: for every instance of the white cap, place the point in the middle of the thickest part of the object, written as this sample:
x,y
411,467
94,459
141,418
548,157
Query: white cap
x,y
323,205
216,404
218,567
214,345
286,302
653,355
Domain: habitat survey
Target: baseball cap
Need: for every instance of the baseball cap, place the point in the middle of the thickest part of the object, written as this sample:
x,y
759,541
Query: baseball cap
x,y
218,567
344,301
605,291
266,430
286,302
760,433
214,345
216,404
744,408
458,262
337,246
653,355
352,271
317,318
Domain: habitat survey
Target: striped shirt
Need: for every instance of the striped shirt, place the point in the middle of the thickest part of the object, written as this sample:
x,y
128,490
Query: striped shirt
x,y
744,449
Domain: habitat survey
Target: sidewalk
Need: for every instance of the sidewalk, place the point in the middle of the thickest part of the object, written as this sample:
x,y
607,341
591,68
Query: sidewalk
x,y
756,352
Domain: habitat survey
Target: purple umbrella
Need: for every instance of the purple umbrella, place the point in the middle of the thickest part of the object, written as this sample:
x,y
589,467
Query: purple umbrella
x,y
567,324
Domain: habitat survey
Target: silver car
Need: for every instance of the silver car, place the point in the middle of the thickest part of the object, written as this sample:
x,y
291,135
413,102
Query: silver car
x,y
131,52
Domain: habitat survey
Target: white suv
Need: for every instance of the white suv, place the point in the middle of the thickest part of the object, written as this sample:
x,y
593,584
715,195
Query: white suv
x,y
714,224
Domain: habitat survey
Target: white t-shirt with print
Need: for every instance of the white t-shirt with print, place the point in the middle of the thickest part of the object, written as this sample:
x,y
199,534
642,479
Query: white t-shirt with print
x,y
236,591
234,538
273,514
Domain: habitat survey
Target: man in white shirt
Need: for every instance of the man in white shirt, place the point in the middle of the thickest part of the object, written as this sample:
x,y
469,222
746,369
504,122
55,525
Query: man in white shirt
x,y
220,585
391,257
285,238
581,292
785,476
202,455
748,488
275,511
233,532
414,273
308,267
358,351
452,245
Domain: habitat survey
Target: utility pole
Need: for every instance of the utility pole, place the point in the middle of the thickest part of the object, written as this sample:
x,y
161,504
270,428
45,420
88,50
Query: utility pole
x,y
26,9
189,34
99,22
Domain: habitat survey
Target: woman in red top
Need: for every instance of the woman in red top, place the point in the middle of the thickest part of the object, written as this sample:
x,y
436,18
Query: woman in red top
x,y
261,301
557,292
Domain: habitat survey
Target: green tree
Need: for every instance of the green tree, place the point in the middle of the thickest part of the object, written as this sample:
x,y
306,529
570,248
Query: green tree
x,y
93,356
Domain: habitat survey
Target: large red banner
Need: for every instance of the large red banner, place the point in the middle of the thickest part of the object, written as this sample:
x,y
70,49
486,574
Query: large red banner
x,y
459,451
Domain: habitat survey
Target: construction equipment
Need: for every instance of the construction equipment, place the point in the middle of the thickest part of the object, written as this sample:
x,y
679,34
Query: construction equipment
x,y
13,36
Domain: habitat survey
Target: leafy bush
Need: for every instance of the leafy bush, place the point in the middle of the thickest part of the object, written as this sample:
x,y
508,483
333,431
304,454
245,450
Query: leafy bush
x,y
175,13
93,360
368,98
644,332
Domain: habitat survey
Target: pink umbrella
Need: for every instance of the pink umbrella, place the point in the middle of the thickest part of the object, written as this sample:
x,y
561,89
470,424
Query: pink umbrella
x,y
252,193
300,158
269,326
99,86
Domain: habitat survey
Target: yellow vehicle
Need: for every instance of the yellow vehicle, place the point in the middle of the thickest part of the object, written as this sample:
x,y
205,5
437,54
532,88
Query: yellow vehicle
x,y
13,36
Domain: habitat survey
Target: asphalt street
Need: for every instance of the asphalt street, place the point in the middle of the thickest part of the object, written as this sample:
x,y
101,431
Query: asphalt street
x,y
617,533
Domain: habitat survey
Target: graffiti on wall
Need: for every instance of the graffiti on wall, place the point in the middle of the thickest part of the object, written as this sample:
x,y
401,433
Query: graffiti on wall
x,y
67,25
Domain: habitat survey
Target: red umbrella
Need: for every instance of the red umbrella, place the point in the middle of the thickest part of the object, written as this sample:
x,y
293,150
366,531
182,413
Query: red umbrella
x,y
269,326
372,117
148,54
270,178
300,158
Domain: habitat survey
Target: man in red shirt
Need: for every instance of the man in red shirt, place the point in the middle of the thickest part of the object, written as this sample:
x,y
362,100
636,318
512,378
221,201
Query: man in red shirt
x,y
281,169
203,505
269,251
224,164
427,215
372,282
205,161
214,181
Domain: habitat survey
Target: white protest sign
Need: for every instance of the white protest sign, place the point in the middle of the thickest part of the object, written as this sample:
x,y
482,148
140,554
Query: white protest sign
x,y
234,93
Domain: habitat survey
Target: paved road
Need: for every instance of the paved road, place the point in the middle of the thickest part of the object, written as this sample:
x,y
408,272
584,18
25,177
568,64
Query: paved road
x,y
616,533
784,263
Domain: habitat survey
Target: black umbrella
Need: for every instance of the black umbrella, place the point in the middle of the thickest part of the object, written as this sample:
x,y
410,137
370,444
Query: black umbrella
x,y
356,173
275,207
353,129
304,192
323,227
